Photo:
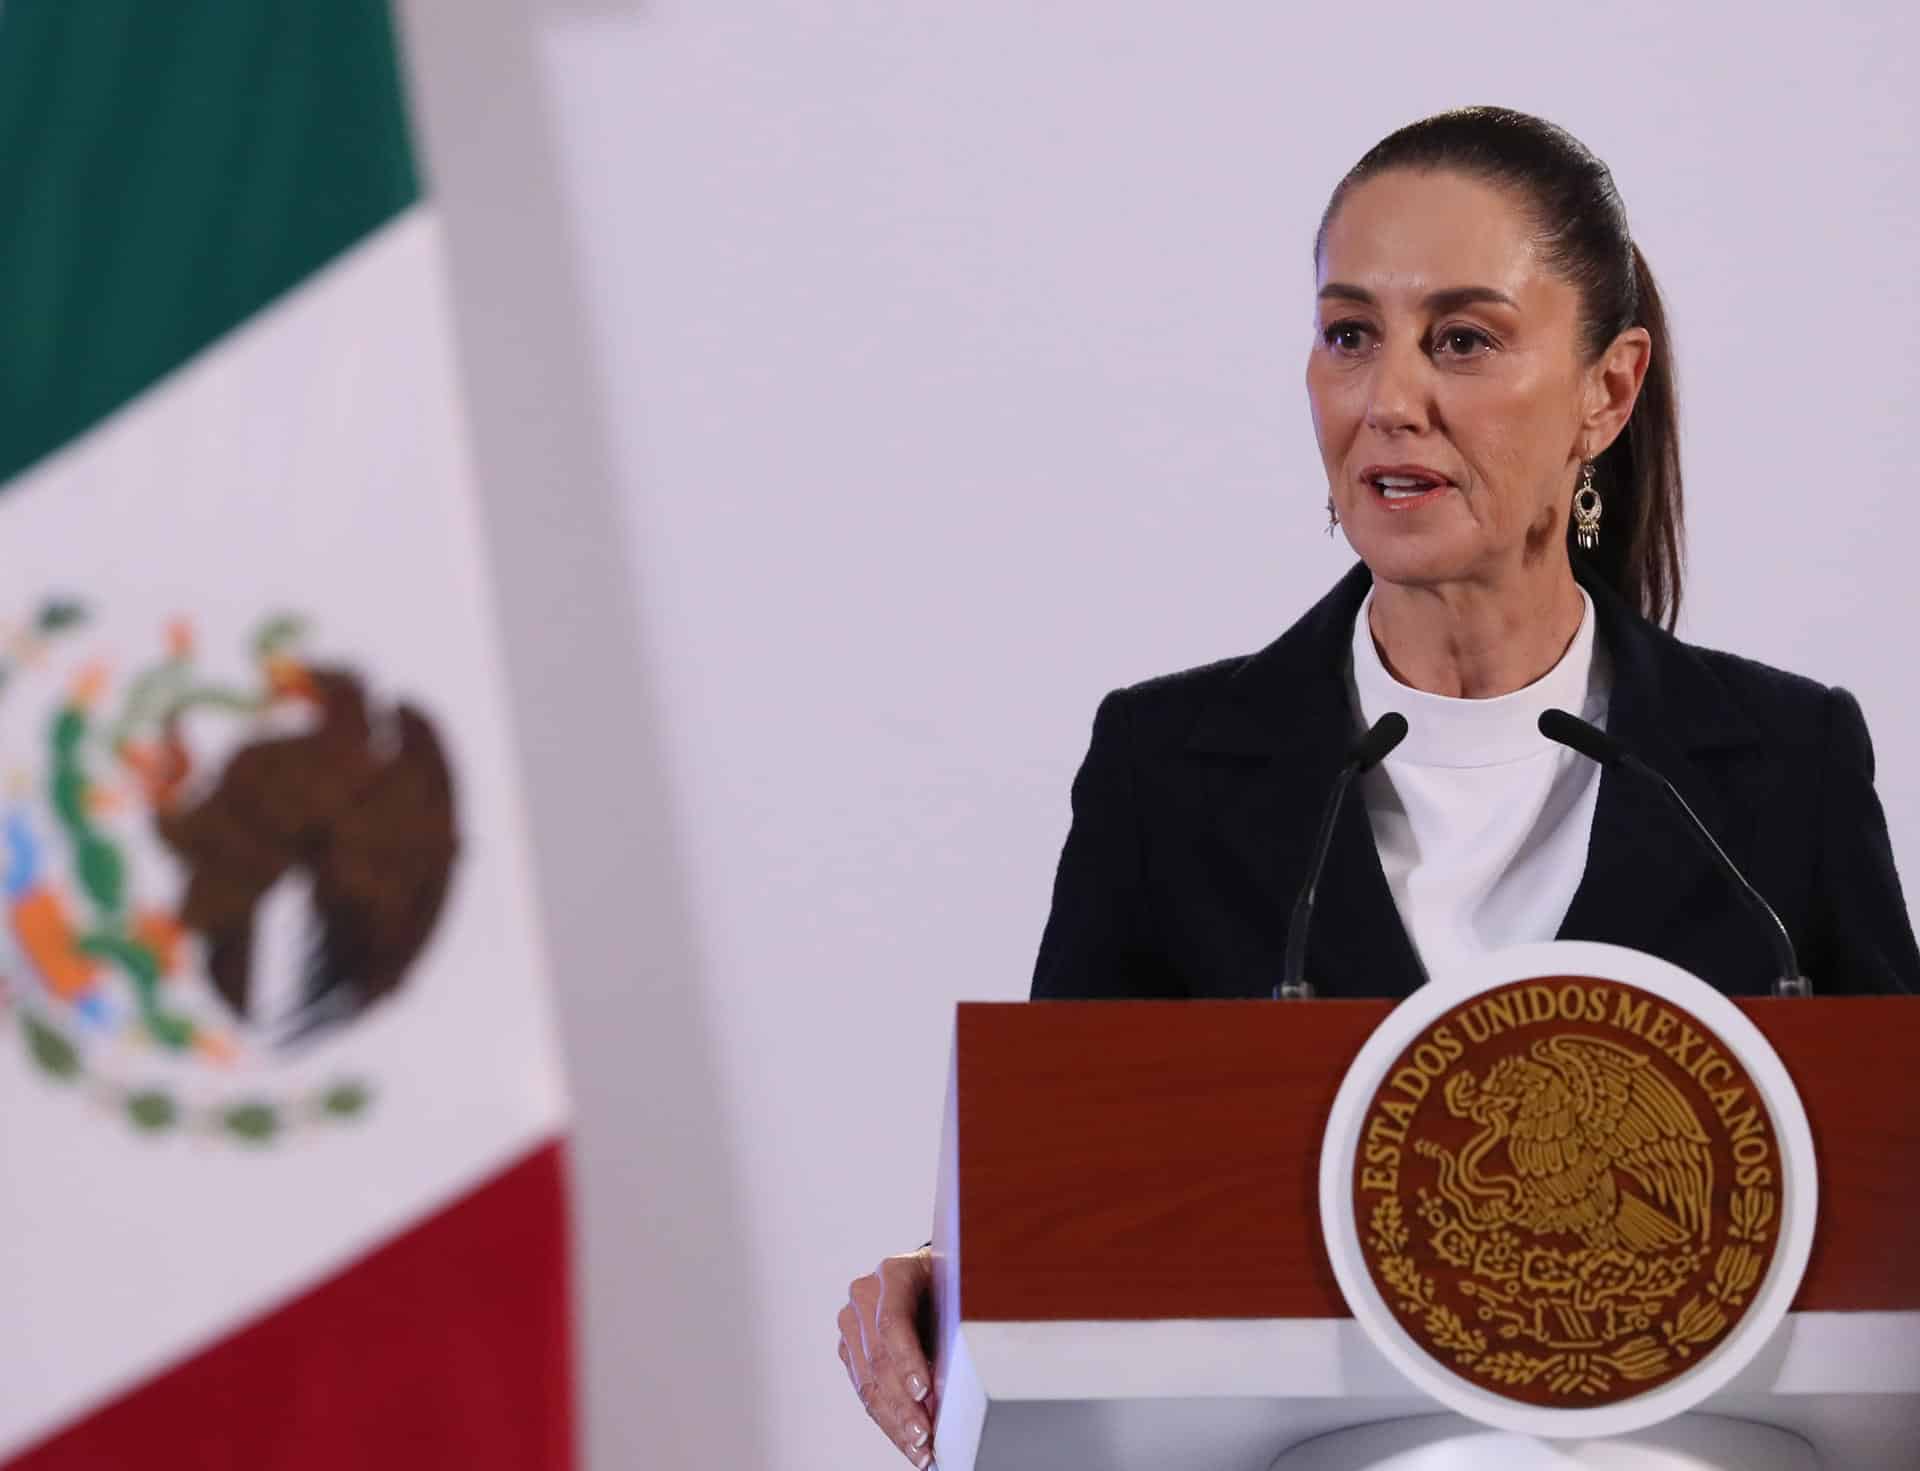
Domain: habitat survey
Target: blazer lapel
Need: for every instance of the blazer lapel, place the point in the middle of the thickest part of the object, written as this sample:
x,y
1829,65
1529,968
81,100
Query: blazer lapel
x,y
1646,876
1277,739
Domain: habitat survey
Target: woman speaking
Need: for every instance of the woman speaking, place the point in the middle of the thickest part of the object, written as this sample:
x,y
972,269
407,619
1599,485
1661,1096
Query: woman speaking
x,y
1492,388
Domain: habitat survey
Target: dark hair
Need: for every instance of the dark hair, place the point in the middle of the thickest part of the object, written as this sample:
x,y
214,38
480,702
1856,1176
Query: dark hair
x,y
1583,232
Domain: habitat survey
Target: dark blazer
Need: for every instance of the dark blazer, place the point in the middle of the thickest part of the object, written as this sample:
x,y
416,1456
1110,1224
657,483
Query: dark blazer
x,y
1196,808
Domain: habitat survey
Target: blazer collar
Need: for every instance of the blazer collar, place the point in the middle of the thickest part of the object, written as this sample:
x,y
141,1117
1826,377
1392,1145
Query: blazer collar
x,y
1292,696
1290,703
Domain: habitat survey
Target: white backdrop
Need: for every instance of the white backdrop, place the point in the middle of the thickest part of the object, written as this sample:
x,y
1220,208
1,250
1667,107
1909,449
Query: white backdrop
x,y
864,388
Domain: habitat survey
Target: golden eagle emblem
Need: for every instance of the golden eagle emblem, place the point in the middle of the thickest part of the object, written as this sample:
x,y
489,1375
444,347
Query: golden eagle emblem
x,y
1600,1147
1567,1191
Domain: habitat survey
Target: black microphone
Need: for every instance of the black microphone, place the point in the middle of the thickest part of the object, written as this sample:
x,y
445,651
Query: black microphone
x,y
1596,745
1367,752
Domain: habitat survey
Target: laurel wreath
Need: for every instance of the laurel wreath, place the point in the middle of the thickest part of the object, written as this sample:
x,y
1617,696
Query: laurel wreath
x,y
256,1120
1701,1320
1735,1271
154,1110
1418,1293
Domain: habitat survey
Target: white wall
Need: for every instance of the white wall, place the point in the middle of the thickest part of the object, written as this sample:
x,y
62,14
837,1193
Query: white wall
x,y
865,387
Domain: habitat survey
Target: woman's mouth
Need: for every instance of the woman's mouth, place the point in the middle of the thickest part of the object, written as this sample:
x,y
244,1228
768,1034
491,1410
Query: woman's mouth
x,y
1403,489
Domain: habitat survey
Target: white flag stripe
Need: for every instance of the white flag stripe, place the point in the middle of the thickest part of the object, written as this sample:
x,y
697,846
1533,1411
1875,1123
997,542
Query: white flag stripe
x,y
314,460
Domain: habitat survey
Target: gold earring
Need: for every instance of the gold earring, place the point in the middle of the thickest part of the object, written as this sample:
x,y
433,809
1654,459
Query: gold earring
x,y
1586,510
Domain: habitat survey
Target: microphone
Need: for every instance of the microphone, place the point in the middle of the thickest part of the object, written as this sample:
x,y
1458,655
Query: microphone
x,y
1366,753
1596,745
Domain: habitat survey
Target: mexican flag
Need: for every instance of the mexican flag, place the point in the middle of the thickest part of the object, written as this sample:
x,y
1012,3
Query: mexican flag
x,y
281,1118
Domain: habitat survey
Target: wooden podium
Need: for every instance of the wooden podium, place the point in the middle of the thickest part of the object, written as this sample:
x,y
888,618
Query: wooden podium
x,y
1128,1262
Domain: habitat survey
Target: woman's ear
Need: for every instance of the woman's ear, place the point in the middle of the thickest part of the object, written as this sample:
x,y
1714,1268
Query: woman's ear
x,y
1613,387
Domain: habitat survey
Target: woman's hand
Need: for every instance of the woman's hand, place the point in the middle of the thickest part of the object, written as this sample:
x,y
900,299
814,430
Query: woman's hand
x,y
880,1345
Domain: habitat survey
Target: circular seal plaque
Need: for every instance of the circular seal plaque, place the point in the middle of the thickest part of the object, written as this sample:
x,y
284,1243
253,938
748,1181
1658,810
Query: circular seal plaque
x,y
1572,1195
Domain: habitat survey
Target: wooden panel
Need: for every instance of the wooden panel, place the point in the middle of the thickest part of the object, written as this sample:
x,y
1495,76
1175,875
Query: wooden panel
x,y
1148,1159
1130,1160
1856,1062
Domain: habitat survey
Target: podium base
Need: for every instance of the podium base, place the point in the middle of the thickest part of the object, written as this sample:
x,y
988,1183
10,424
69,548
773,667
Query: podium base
x,y
1453,1443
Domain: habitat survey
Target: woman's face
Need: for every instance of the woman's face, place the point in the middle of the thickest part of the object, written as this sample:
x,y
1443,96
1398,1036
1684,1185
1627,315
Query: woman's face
x,y
1449,396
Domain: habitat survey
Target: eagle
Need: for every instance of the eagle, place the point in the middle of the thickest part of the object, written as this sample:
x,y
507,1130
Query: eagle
x,y
1602,1146
363,808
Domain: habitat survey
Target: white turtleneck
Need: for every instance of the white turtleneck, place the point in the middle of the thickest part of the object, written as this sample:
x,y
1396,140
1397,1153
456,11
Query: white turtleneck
x,y
1482,823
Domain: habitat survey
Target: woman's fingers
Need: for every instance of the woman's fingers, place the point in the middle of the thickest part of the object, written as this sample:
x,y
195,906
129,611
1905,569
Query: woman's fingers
x,y
894,1351
904,1281
851,1354
883,1356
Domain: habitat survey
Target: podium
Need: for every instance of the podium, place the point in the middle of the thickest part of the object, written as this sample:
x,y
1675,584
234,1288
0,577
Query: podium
x,y
1129,1268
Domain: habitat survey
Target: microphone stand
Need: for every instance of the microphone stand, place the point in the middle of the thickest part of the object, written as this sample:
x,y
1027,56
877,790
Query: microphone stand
x,y
1368,752
1596,745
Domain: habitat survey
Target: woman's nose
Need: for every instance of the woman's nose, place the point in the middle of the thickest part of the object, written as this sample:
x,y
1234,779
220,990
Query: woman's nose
x,y
1399,395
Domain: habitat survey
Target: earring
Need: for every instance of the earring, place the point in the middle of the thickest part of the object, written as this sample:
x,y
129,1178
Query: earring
x,y
1333,516
1586,510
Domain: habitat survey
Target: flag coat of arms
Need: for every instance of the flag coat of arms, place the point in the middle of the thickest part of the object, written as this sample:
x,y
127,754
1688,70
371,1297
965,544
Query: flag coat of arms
x,y
281,1184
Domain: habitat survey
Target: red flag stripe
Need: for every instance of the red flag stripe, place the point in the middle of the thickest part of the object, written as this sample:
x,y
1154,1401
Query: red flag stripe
x,y
448,1346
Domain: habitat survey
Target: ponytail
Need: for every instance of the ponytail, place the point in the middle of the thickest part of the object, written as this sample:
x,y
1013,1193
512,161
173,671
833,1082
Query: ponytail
x,y
1638,478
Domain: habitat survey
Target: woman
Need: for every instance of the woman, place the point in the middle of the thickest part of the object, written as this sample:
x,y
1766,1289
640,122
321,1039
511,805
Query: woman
x,y
1493,394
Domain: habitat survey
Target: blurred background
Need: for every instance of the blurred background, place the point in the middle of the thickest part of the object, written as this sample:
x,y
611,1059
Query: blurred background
x,y
846,397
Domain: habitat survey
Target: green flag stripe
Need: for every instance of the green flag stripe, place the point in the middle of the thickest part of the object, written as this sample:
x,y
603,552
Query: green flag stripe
x,y
167,168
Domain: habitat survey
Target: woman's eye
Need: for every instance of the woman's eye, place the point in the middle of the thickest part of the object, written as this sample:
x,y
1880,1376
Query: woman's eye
x,y
1345,336
1462,342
